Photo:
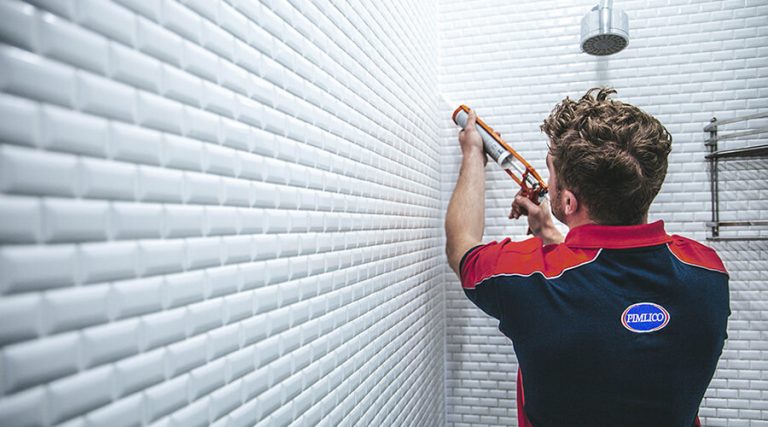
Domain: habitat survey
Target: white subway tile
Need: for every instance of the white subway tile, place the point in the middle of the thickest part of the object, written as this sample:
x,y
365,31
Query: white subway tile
x,y
200,124
224,400
180,85
20,318
246,57
185,288
69,43
161,256
164,398
254,330
121,413
159,113
108,19
74,308
205,379
160,185
237,191
221,220
21,272
219,160
236,307
19,121
264,195
194,414
17,25
139,372
135,297
105,98
185,355
269,401
248,111
150,10
179,19
136,220
31,76
203,252
235,134
223,280
93,388
106,179
234,77
204,8
182,153
265,299
184,220
233,20
202,189
217,40
267,351
199,61
110,342
134,68
28,364
162,328
23,409
239,364
254,274
250,165
223,341
204,316
72,220
158,41
74,132
251,220
22,219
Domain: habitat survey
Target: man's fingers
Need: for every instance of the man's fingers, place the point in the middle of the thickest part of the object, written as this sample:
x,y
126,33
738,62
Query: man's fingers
x,y
518,209
525,203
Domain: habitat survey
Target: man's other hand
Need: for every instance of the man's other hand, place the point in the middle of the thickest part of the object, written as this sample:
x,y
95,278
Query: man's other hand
x,y
539,218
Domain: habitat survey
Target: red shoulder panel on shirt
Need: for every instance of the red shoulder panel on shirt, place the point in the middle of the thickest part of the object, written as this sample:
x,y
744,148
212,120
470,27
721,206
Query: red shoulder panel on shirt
x,y
694,253
521,259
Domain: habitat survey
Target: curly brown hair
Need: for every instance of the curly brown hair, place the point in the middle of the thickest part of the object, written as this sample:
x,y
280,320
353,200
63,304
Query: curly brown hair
x,y
611,155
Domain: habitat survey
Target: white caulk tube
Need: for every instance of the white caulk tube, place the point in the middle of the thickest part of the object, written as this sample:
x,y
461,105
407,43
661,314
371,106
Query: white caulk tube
x,y
497,152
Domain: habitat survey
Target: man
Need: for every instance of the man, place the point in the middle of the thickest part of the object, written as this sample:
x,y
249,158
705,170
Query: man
x,y
617,323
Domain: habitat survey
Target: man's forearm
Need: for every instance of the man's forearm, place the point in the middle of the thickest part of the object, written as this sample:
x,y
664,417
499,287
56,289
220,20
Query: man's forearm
x,y
465,219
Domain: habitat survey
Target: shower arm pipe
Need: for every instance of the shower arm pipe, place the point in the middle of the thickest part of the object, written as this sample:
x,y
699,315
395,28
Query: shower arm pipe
x,y
606,15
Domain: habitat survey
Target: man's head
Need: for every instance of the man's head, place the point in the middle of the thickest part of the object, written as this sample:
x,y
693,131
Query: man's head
x,y
610,156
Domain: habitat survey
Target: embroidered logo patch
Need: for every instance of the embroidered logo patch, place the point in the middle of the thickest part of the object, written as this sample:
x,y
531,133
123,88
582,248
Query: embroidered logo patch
x,y
645,317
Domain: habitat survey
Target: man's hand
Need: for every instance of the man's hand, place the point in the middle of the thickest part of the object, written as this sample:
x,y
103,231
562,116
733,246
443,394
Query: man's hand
x,y
539,218
470,139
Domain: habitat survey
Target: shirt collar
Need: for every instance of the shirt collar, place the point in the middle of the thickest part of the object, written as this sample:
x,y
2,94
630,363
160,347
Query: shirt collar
x,y
617,236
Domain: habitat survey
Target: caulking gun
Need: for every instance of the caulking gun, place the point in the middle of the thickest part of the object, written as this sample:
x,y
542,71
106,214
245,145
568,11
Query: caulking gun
x,y
514,164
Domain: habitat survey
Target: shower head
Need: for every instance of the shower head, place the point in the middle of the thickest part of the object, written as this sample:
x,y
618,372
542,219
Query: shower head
x,y
604,30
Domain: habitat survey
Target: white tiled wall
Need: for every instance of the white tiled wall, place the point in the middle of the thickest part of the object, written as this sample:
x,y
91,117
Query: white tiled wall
x,y
229,212
687,61
220,212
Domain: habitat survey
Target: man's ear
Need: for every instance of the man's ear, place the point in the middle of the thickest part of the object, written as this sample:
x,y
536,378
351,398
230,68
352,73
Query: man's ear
x,y
569,202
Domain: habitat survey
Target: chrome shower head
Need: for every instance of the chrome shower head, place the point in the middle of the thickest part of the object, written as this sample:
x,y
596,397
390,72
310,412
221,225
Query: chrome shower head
x,y
604,30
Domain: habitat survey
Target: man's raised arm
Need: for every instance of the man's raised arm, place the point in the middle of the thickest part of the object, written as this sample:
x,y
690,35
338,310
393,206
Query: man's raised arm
x,y
465,219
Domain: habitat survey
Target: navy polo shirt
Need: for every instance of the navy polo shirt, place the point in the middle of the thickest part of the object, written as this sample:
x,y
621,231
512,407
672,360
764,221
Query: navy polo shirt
x,y
617,326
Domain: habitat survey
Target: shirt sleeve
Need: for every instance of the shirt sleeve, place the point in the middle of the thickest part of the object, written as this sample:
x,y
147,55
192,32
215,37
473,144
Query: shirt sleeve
x,y
482,265
484,295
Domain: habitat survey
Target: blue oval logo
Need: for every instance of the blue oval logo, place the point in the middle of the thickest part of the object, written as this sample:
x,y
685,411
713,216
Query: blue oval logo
x,y
645,317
